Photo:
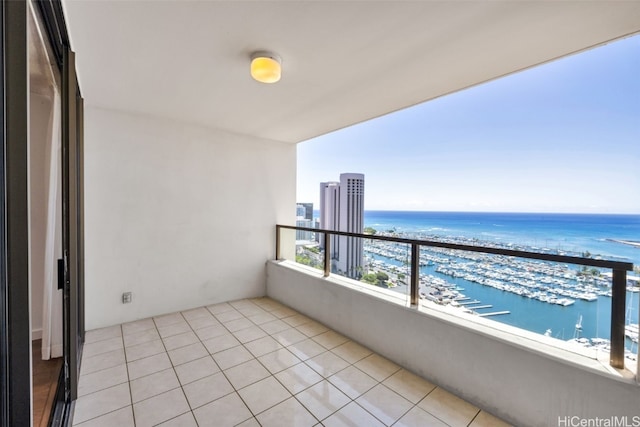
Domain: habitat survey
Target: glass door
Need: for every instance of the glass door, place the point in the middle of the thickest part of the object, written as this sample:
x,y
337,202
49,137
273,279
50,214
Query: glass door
x,y
15,334
70,267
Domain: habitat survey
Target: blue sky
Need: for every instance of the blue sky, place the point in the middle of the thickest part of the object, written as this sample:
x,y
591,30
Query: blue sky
x,y
561,137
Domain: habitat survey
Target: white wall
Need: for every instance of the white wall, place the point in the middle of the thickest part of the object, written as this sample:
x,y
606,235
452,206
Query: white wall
x,y
525,383
182,216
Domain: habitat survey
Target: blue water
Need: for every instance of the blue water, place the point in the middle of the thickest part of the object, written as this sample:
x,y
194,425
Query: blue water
x,y
577,233
567,232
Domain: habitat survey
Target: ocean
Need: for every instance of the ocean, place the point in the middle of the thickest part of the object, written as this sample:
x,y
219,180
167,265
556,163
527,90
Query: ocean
x,y
573,234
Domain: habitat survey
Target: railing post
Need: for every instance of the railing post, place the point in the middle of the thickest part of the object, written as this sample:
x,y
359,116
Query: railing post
x,y
415,273
618,301
277,241
327,254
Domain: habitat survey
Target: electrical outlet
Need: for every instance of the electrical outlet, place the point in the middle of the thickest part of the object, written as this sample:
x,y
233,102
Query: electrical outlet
x,y
126,297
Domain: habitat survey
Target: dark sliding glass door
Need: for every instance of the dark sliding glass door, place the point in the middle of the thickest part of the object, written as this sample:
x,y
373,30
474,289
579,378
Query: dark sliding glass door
x,y
71,266
15,334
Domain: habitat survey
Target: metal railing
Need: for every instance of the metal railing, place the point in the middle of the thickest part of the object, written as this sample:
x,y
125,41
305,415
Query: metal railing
x,y
618,288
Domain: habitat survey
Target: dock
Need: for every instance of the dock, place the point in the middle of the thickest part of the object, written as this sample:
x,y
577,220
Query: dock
x,y
470,302
495,313
481,306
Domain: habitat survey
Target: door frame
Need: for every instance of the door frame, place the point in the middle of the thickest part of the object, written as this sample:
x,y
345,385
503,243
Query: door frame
x,y
70,221
15,327
15,333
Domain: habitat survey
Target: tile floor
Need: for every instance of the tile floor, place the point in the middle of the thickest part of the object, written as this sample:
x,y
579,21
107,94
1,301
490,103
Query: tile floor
x,y
251,362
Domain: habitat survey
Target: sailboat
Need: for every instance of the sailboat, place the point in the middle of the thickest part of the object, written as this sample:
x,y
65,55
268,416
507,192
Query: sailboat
x,y
578,330
631,330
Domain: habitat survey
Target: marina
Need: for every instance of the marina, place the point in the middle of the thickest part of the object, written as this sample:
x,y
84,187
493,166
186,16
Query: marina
x,y
539,296
539,280
547,298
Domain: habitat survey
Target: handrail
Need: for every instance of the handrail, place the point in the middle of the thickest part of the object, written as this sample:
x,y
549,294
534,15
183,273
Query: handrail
x,y
627,266
618,289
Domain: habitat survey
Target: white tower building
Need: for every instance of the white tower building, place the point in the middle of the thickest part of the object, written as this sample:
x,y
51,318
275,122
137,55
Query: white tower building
x,y
342,209
330,213
350,252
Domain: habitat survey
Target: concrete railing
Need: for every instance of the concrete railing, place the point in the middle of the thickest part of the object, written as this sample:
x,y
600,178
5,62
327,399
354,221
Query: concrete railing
x,y
514,374
619,276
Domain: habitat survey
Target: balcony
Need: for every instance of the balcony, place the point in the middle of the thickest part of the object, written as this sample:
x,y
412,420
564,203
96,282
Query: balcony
x,y
187,164
321,349
252,362
521,377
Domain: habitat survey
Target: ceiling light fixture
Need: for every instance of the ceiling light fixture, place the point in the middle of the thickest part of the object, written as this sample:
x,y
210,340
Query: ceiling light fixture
x,y
266,67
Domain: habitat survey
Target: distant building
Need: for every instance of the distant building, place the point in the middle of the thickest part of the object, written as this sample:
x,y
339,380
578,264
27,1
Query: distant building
x,y
316,224
303,221
342,209
304,235
308,210
329,213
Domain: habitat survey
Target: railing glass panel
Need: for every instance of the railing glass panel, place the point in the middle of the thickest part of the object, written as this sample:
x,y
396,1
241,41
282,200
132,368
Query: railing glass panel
x,y
584,305
387,266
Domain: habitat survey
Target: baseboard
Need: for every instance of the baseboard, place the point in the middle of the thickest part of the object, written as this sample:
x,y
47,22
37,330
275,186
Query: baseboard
x,y
36,334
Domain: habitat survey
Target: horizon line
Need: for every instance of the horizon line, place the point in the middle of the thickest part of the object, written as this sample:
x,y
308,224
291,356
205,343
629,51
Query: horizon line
x,y
498,212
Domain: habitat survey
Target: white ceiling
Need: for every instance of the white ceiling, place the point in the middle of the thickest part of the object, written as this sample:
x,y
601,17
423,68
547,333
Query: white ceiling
x,y
343,61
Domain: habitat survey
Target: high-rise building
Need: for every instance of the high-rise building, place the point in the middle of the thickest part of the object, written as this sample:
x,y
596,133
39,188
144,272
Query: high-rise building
x,y
308,210
330,213
342,209
301,235
302,220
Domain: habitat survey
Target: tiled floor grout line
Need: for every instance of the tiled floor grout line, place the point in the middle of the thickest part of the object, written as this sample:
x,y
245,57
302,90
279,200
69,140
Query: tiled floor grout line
x,y
173,366
310,336
126,366
294,395
128,381
354,400
222,371
326,378
209,355
254,416
379,383
273,375
427,395
261,364
474,418
393,391
323,377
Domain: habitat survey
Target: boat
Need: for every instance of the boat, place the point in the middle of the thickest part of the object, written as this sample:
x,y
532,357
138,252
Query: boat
x,y
578,330
631,332
565,302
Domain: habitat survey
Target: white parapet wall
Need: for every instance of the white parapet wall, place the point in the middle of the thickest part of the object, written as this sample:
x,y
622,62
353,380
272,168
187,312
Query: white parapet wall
x,y
506,371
